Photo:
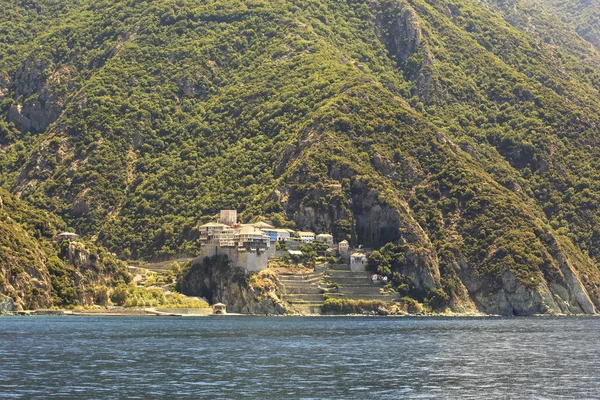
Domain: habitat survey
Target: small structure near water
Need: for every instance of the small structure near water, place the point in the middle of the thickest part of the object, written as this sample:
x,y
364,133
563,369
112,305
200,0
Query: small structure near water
x,y
219,309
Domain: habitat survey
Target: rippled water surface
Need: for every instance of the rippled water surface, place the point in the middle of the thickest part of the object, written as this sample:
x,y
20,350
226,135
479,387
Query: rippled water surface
x,y
280,358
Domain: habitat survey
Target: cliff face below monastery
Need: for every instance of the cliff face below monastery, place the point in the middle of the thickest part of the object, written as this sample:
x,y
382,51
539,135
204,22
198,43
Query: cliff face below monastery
x,y
216,280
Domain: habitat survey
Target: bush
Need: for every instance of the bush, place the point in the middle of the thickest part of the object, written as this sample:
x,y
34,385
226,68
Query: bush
x,y
412,306
438,300
101,295
344,306
119,295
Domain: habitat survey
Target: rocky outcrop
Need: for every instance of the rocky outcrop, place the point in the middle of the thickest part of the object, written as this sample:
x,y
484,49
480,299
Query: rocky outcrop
x,y
7,305
41,88
24,275
253,300
38,272
399,30
422,267
377,222
508,296
404,34
217,280
511,298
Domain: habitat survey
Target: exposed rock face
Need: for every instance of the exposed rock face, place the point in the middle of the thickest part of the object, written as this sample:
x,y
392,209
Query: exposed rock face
x,y
357,212
246,300
24,275
216,280
400,31
405,35
514,299
90,273
38,272
42,87
376,221
7,305
422,267
507,296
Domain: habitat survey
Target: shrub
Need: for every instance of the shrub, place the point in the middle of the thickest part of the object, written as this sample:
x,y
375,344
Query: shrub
x,y
345,306
438,300
412,306
119,295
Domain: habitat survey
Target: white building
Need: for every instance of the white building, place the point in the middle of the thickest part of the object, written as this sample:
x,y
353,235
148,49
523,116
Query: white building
x,y
306,237
325,238
344,247
210,228
226,237
283,235
262,225
247,247
252,238
358,262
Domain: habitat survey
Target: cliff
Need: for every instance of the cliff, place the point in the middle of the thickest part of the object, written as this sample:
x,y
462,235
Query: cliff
x,y
219,282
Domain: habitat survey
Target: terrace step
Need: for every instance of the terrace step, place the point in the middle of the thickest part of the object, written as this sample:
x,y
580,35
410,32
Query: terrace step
x,y
303,297
359,290
339,267
313,289
301,277
386,297
348,274
309,308
351,281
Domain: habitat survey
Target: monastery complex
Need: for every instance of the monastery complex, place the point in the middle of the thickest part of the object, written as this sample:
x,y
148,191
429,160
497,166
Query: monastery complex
x,y
250,246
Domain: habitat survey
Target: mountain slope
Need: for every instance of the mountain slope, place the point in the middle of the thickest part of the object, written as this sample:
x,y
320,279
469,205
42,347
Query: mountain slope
x,y
37,272
454,131
583,16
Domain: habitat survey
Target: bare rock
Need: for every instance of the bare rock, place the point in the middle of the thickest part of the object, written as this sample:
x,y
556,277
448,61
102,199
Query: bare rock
x,y
7,305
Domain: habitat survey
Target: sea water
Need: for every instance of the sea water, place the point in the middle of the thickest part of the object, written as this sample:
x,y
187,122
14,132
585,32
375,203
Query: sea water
x,y
299,357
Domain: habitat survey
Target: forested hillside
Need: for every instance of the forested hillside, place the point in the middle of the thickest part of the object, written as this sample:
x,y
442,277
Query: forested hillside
x,y
38,272
464,132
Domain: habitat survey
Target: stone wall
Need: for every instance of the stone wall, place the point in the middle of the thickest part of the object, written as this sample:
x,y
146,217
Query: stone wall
x,y
250,261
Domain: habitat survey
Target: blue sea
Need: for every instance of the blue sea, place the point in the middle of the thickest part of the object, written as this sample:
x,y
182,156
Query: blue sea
x,y
299,358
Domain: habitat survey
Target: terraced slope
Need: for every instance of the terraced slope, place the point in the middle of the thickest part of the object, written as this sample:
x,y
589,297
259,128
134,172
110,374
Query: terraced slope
x,y
303,291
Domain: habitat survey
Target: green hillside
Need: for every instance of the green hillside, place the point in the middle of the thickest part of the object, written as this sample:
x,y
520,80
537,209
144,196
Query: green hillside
x,y
38,272
582,15
456,130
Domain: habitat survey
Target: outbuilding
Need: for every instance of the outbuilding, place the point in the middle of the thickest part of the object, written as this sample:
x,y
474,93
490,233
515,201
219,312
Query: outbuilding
x,y
219,309
306,237
325,238
344,247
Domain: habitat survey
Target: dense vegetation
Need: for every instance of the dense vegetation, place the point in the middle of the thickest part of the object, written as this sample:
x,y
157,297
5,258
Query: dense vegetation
x,y
345,306
453,127
36,271
132,296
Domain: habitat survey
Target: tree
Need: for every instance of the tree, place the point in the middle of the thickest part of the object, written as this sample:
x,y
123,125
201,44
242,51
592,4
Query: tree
x,y
119,295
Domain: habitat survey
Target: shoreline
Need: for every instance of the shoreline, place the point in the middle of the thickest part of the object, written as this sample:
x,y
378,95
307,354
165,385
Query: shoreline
x,y
157,313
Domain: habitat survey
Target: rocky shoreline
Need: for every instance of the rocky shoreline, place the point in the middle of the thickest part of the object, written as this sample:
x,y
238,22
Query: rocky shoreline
x,y
135,312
